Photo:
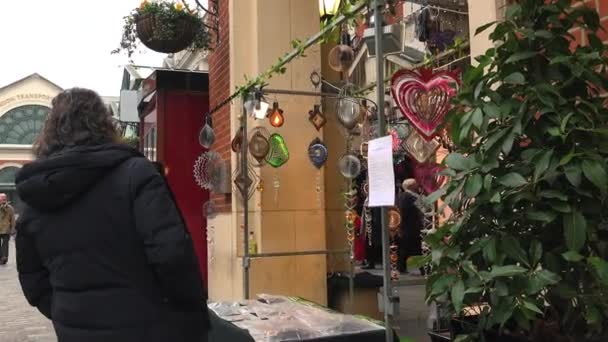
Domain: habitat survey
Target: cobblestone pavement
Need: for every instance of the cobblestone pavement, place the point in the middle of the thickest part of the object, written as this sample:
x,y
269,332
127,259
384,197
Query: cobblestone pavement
x,y
18,321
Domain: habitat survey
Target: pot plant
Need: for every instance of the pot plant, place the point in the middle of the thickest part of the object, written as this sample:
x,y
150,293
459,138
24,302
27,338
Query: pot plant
x,y
164,26
527,243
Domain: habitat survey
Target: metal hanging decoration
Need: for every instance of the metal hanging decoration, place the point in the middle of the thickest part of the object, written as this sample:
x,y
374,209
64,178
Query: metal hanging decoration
x,y
316,117
206,137
349,166
278,154
423,96
342,56
429,177
237,141
208,170
245,179
259,147
350,203
348,112
317,153
420,149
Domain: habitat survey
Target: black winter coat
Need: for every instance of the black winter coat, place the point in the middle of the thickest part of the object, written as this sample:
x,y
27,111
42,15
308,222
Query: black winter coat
x,y
103,251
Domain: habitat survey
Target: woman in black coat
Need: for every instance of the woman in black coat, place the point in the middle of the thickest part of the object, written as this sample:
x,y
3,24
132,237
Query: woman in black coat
x,y
102,249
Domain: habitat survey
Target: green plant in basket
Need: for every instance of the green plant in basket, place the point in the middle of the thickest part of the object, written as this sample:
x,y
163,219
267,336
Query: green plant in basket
x,y
164,26
528,241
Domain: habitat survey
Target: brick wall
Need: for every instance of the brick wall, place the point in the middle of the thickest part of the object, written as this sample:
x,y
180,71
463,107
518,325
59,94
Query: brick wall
x,y
219,89
602,7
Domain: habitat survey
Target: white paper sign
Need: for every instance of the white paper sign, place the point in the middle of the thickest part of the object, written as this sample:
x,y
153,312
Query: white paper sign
x,y
380,172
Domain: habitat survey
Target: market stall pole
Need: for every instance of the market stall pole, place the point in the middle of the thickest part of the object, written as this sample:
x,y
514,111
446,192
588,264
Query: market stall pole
x,y
378,6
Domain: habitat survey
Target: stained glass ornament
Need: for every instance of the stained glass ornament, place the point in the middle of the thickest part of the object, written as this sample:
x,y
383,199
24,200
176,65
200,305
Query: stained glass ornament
x,y
348,112
317,153
237,141
206,137
276,117
424,96
420,149
317,118
278,154
429,177
394,218
207,170
349,166
259,146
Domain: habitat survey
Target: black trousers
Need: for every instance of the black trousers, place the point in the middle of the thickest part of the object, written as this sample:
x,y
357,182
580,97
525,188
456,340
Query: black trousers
x,y
4,239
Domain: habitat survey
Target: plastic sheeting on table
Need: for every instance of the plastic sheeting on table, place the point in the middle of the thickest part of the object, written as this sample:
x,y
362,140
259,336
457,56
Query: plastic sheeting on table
x,y
277,318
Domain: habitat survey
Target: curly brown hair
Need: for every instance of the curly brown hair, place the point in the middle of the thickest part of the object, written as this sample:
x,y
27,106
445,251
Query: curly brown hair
x,y
78,117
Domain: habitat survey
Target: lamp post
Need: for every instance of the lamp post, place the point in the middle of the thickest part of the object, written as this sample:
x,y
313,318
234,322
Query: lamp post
x,y
328,8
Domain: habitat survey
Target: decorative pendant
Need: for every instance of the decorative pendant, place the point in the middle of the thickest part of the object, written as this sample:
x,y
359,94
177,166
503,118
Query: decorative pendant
x,y
237,141
209,210
278,154
317,118
245,181
276,117
206,137
208,170
349,166
350,197
348,112
423,96
259,147
394,219
317,153
420,149
428,176
394,256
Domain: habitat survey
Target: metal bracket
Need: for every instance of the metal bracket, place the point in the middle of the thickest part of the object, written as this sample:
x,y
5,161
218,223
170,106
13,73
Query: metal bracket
x,y
214,16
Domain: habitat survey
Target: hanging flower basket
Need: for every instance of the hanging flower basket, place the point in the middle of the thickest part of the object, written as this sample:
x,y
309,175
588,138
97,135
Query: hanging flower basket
x,y
153,32
165,27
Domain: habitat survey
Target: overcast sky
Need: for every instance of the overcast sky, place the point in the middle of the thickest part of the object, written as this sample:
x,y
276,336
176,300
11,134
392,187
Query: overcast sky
x,y
67,41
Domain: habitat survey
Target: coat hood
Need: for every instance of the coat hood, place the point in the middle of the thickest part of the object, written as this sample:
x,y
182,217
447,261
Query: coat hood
x,y
54,182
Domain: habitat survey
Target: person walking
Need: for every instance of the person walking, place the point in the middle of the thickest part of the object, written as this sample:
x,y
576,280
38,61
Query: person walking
x,y
102,249
7,227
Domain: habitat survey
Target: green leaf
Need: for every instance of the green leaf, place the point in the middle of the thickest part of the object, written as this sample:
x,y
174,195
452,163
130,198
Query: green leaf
x,y
477,118
487,182
572,256
542,164
531,306
418,261
561,59
516,78
457,161
564,122
536,252
520,56
442,284
600,266
538,281
559,206
435,196
573,174
553,194
543,34
489,251
473,185
575,230
506,271
501,288
458,295
482,28
507,144
541,215
512,248
512,180
492,110
496,198
595,173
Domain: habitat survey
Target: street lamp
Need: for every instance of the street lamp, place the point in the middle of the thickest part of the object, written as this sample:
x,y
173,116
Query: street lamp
x,y
328,8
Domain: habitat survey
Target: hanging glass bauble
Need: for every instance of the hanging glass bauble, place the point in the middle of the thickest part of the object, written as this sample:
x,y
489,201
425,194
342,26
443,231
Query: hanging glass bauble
x,y
258,146
278,154
394,218
349,166
237,141
317,118
348,112
317,153
420,149
206,137
276,118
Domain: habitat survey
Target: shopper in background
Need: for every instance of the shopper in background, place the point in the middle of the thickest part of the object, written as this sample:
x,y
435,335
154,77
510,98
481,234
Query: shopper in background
x,y
102,249
7,227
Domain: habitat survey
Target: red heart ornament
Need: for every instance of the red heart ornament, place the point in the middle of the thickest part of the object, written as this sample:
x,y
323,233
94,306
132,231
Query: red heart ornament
x,y
428,176
423,96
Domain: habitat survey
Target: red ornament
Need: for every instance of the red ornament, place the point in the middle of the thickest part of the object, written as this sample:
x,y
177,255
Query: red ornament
x,y
276,117
423,96
428,176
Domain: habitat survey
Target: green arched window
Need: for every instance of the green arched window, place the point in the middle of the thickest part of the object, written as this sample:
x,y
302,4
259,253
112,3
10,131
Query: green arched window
x,y
7,175
21,125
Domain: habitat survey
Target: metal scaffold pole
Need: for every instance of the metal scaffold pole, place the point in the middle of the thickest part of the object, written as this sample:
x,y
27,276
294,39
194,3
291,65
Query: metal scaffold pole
x,y
386,271
245,175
